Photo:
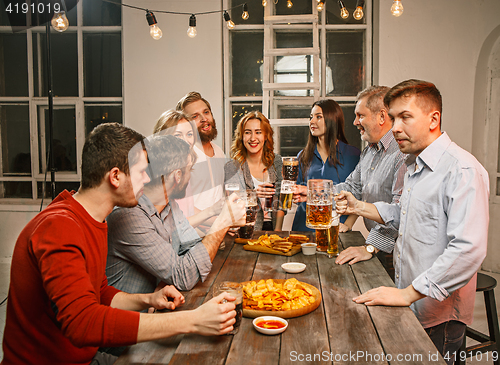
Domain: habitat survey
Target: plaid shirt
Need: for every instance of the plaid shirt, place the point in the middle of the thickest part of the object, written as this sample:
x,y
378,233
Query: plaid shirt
x,y
379,176
146,247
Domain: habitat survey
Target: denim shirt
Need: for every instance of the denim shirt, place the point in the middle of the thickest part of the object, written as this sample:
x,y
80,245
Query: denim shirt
x,y
442,220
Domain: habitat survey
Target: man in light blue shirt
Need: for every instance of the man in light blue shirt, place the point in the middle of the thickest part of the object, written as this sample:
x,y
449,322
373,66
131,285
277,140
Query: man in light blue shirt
x,y
442,219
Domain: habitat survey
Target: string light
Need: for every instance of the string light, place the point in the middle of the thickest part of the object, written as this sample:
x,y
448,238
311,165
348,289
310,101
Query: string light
x,y
321,6
229,22
245,14
60,21
343,10
191,32
397,8
289,3
264,2
154,30
358,13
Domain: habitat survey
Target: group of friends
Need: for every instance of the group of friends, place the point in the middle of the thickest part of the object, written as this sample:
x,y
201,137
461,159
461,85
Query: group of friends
x,y
151,213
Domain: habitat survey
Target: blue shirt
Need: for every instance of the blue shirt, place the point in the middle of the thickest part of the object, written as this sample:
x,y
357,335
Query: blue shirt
x,y
442,219
348,157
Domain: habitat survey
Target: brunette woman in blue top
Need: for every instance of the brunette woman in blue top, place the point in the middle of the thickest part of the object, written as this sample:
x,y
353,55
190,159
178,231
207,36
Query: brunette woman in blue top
x,y
327,154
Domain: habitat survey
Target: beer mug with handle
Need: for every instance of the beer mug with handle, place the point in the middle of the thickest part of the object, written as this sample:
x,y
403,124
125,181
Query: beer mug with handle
x,y
319,203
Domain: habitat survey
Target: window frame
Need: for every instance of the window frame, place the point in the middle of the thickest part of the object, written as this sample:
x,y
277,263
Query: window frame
x,y
323,28
79,102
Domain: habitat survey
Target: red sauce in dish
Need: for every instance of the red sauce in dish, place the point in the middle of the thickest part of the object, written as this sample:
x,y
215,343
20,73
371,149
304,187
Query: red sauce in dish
x,y
271,324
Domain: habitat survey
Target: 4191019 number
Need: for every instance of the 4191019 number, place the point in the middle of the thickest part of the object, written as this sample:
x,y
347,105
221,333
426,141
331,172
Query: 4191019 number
x,y
40,8
478,356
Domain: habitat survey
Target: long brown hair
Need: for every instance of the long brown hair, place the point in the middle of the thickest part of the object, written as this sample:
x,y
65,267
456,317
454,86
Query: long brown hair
x,y
238,150
334,124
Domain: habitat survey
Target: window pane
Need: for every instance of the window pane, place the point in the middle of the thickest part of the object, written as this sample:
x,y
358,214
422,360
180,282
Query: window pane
x,y
98,114
13,65
333,13
15,127
16,189
12,18
255,11
60,186
293,69
247,54
240,109
102,65
298,7
64,58
345,58
293,138
98,12
64,137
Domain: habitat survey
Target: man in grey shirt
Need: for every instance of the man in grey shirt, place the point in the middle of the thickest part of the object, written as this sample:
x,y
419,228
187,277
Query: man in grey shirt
x,y
442,219
153,242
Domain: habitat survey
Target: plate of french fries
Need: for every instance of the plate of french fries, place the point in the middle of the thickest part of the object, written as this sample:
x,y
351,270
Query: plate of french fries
x,y
278,297
276,244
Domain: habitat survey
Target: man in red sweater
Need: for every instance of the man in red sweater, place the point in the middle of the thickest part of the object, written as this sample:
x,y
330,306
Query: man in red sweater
x,y
60,307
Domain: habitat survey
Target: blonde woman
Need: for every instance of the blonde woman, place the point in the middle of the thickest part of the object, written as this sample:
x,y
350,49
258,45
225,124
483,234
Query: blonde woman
x,y
252,154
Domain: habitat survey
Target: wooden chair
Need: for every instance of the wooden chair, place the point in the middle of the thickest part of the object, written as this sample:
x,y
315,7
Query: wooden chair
x,y
490,342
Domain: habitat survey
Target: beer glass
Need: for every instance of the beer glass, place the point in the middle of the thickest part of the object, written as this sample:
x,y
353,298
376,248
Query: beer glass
x,y
235,290
229,189
251,209
290,168
286,194
319,203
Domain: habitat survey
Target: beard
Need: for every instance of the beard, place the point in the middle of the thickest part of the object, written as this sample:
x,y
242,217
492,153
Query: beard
x,y
207,136
179,191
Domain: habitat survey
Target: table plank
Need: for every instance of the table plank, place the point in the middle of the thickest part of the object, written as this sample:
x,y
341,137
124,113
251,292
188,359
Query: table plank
x,y
395,325
306,334
196,349
161,351
339,286
264,349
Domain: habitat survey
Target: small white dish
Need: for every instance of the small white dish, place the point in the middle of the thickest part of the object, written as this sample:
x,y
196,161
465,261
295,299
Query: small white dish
x,y
309,248
269,331
293,267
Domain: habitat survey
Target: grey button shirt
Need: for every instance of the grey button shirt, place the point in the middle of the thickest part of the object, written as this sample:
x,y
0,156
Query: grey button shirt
x,y
443,219
379,176
146,247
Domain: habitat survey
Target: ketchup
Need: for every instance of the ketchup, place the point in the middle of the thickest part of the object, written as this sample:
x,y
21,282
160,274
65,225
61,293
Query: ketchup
x,y
271,324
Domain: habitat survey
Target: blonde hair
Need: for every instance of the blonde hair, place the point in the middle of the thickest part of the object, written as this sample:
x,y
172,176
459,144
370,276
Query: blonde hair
x,y
238,150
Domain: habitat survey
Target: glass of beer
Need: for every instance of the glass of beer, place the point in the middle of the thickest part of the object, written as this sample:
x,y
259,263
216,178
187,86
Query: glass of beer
x,y
230,189
333,242
290,169
319,203
235,290
252,208
286,194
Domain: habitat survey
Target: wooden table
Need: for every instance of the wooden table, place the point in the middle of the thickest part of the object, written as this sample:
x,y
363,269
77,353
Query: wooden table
x,y
339,331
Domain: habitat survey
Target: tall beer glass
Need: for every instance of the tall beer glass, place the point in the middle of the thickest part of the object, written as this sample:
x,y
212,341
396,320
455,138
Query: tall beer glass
x,y
290,168
286,194
230,189
319,203
252,208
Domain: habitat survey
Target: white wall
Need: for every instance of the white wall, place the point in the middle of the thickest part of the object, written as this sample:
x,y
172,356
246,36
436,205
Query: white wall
x,y
158,73
438,41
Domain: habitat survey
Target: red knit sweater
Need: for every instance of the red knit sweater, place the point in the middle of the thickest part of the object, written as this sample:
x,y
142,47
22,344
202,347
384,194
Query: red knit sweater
x,y
58,309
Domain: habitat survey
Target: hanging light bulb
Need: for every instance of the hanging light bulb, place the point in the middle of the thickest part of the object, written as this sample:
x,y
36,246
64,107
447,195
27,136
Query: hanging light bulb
x,y
59,21
264,2
154,29
289,3
229,22
321,6
192,26
358,13
343,10
397,8
245,14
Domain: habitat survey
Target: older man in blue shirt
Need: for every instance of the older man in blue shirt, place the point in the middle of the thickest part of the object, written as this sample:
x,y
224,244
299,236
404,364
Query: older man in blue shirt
x,y
442,219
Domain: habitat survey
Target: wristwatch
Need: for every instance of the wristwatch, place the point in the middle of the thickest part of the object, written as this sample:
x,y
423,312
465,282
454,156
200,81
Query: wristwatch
x,y
370,248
